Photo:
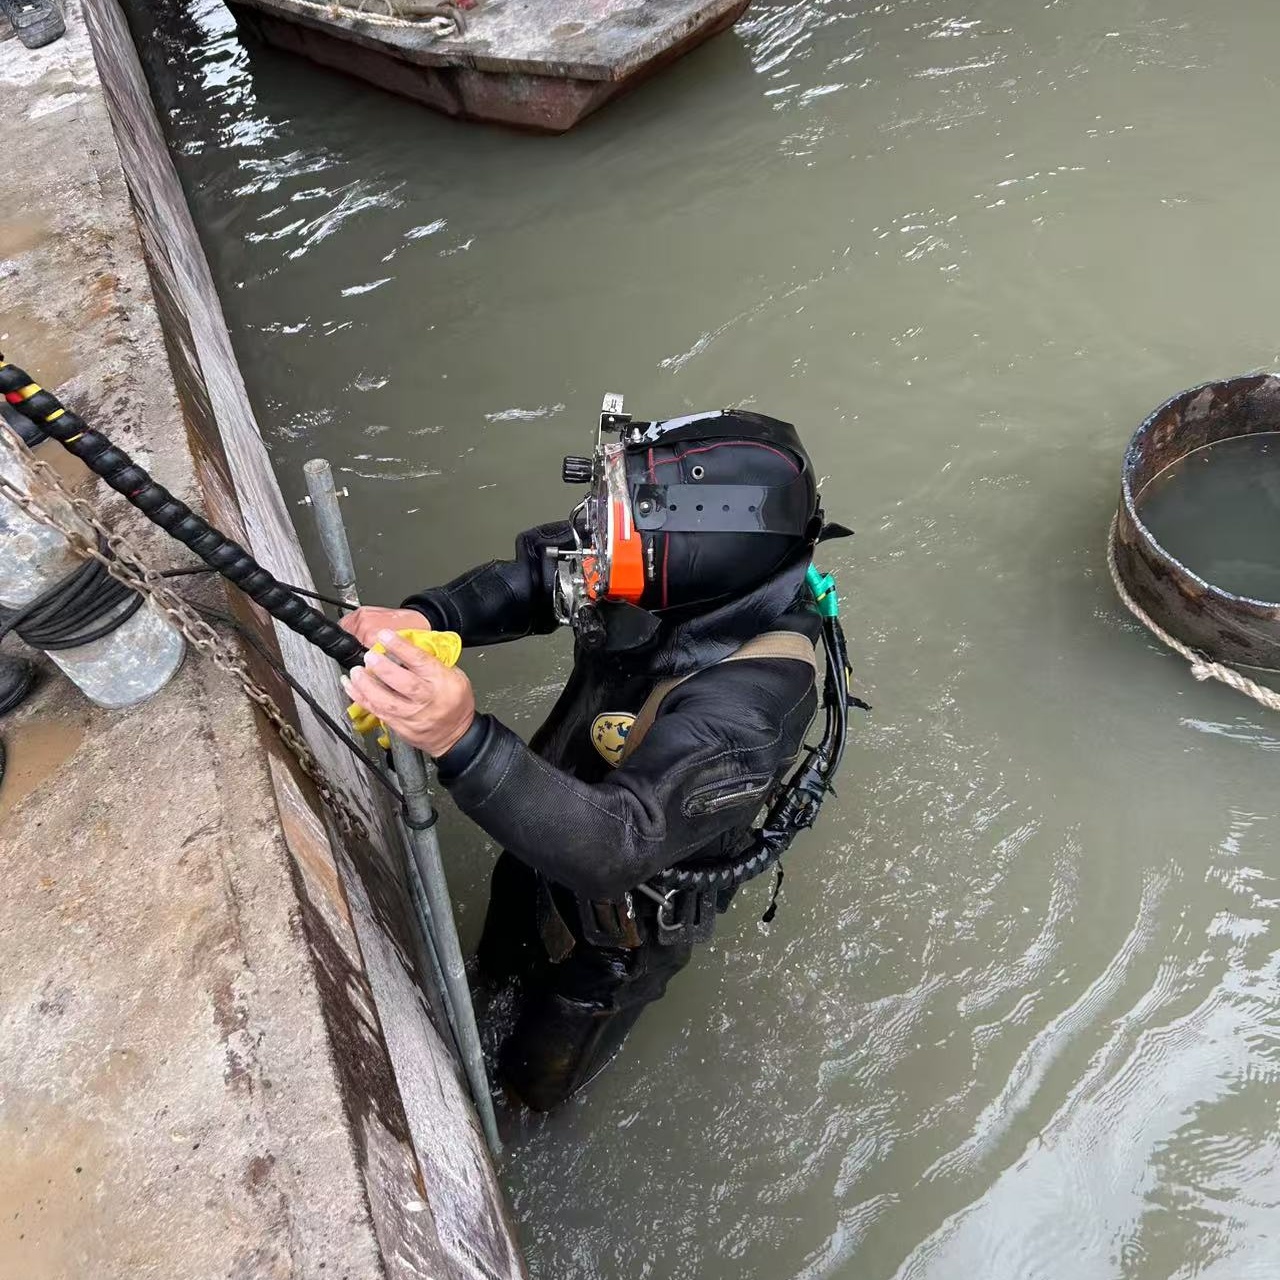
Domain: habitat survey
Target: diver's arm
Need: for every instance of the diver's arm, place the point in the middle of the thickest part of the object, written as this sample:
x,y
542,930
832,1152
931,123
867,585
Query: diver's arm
x,y
501,600
718,743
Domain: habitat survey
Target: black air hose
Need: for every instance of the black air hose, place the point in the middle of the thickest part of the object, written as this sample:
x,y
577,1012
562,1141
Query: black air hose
x,y
218,551
82,607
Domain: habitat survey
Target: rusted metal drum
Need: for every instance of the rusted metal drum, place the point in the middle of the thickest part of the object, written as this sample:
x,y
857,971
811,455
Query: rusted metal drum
x,y
1225,627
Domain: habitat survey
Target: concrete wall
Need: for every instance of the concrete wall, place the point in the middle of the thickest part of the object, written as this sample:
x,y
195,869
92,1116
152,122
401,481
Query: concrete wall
x,y
217,1059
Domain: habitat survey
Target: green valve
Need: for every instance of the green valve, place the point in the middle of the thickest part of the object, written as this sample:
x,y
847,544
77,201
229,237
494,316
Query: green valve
x,y
823,587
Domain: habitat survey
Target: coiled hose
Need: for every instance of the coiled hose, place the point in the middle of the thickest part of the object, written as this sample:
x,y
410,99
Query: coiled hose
x,y
82,607
218,551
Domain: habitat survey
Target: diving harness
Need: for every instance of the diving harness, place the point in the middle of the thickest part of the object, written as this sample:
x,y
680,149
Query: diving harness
x,y
795,802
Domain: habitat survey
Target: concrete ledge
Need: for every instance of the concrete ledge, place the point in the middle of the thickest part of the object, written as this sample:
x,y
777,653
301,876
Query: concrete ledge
x,y
217,1059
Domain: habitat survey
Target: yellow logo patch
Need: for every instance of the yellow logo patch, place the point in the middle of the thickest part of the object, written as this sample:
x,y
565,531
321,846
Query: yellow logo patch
x,y
609,734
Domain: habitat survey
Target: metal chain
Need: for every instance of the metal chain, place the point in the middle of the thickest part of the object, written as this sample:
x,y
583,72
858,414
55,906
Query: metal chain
x,y
122,561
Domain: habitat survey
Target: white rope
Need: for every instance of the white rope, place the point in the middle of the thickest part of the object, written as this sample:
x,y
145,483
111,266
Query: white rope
x,y
438,25
1201,667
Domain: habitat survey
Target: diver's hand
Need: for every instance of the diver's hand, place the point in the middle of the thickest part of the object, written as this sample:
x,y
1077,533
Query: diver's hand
x,y
365,623
428,704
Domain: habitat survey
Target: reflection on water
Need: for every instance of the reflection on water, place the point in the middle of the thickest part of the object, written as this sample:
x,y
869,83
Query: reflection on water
x,y
1017,1016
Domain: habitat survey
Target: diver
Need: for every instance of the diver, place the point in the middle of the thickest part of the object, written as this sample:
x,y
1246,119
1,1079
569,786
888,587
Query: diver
x,y
673,765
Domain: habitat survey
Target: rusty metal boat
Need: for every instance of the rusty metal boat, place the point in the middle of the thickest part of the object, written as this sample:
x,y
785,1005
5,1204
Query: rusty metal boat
x,y
541,67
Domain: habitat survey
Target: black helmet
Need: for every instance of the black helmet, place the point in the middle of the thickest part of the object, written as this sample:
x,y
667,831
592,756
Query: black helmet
x,y
685,512
722,501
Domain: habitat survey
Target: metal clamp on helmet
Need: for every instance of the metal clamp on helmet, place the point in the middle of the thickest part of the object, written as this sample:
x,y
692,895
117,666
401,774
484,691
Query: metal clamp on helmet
x,y
724,508
683,512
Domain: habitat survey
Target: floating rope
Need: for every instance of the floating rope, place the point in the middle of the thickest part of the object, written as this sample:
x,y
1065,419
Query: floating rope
x,y
1202,667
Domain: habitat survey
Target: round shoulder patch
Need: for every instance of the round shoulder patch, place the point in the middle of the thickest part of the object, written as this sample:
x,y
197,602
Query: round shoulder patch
x,y
609,734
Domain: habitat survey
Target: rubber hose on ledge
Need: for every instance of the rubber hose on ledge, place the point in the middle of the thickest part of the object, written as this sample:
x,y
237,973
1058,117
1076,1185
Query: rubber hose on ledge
x,y
218,551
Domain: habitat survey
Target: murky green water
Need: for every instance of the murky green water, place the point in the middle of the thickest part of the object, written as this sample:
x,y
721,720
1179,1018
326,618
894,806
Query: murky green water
x,y
1218,511
1018,1014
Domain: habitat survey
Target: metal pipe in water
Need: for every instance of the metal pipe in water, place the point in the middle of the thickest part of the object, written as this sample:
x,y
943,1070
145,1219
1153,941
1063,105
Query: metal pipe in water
x,y
418,821
323,496
411,770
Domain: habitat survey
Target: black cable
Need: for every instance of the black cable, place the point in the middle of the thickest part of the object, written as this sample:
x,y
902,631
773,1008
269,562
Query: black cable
x,y
341,733
189,570
85,605
316,595
28,432
321,714
65,615
90,593
838,700
124,475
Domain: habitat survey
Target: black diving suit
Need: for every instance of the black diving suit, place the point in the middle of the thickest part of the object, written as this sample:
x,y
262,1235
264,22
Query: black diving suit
x,y
580,832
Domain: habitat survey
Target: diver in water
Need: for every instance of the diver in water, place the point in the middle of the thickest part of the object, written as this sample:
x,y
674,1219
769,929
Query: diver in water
x,y
667,773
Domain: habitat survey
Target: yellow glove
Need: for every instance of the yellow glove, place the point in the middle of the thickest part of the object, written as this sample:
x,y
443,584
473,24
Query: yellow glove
x,y
445,646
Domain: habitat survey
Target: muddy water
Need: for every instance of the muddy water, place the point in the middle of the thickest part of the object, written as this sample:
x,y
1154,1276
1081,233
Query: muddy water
x,y
1218,511
1017,1016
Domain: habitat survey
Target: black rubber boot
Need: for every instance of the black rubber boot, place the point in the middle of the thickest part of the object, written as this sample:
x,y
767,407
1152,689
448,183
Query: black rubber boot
x,y
16,679
37,22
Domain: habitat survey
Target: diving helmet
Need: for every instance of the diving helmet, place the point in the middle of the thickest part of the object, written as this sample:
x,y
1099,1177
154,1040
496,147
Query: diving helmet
x,y
683,512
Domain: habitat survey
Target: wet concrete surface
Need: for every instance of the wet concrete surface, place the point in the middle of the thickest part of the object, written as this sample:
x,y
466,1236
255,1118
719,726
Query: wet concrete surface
x,y
168,1104
1017,1015
36,749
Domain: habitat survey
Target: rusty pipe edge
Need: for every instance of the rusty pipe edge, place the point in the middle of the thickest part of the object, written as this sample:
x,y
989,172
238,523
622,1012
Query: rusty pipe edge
x,y
1224,626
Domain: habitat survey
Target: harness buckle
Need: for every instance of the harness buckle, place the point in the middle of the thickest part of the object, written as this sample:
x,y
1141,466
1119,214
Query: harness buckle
x,y
610,924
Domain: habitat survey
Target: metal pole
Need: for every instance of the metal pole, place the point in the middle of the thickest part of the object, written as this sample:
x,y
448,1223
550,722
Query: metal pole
x,y
418,819
427,935
337,550
333,535
322,498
